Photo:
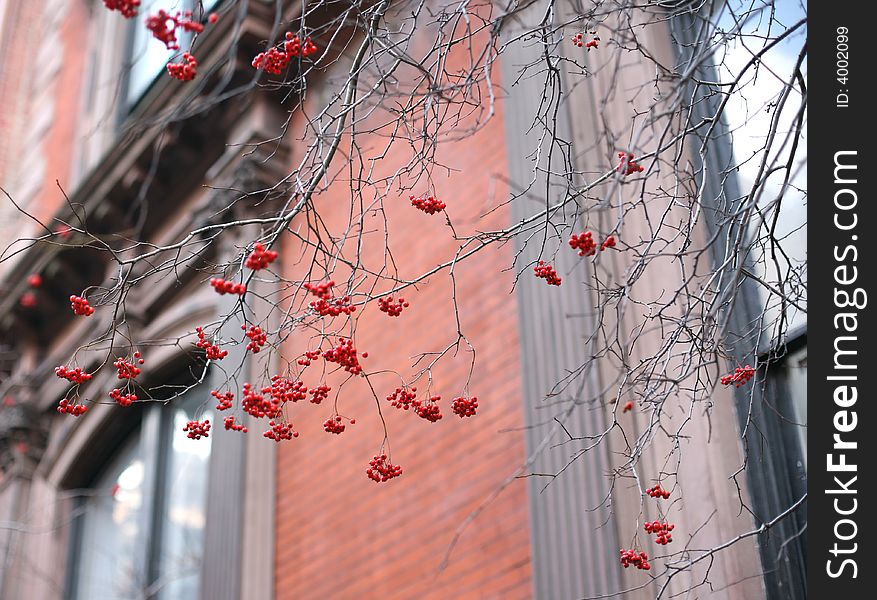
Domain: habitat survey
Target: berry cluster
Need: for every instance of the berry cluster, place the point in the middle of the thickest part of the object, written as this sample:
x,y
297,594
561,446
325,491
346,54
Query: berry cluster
x,y
71,408
661,531
344,354
128,370
628,406
630,557
256,405
164,25
380,469
658,492
402,398
740,376
123,399
333,308
35,280
322,290
280,431
305,360
184,70
211,351
128,8
80,306
334,425
28,300
227,287
429,409
226,400
294,46
547,273
429,205
465,407
391,307
197,429
230,425
627,165
257,338
275,60
260,258
319,393
76,375
284,390
584,243
325,306
578,41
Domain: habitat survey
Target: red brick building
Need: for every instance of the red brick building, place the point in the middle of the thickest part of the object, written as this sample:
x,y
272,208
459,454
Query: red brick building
x,y
96,142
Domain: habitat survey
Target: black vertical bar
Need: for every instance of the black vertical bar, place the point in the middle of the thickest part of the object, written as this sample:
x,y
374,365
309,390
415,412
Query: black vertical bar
x,y
840,266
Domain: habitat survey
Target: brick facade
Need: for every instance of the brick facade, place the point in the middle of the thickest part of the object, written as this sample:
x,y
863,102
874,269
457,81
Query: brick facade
x,y
301,520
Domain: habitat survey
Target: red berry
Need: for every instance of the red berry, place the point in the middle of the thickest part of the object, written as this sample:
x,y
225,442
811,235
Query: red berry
x,y
66,406
739,377
344,354
464,407
80,306
185,70
658,492
334,425
128,8
28,300
274,60
257,338
403,398
547,273
123,399
230,425
226,400
631,557
391,307
380,469
661,531
280,431
211,351
429,205
260,258
128,370
584,243
76,375
627,165
197,429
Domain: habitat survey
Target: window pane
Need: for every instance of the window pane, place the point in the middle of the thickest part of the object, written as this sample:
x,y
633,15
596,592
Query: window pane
x,y
148,55
112,531
750,113
182,534
796,380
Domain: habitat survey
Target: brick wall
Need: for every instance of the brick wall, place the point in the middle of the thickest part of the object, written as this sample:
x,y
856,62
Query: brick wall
x,y
341,535
42,64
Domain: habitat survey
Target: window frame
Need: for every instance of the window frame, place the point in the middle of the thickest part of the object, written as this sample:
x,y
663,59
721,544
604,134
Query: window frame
x,y
127,102
771,448
154,428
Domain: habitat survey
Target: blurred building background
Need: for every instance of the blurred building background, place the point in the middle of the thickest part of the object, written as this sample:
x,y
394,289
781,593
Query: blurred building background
x,y
120,504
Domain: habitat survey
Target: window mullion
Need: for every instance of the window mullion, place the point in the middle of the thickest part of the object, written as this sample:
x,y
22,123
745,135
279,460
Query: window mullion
x,y
155,458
